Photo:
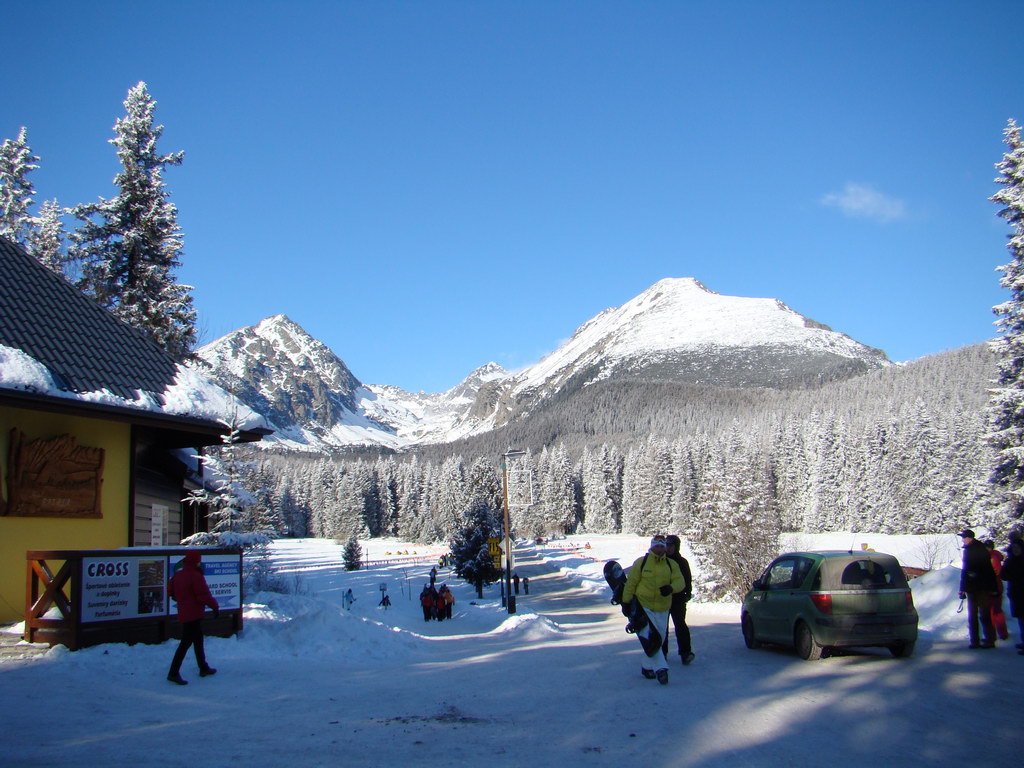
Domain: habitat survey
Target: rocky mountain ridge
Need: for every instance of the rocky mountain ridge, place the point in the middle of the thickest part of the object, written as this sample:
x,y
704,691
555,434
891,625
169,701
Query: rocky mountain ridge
x,y
676,331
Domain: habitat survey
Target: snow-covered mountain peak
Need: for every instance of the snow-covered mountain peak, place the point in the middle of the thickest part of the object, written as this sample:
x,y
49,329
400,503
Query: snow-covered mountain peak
x,y
469,386
681,314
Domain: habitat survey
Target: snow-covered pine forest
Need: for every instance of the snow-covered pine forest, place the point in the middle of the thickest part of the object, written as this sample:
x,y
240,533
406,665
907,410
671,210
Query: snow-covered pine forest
x,y
901,450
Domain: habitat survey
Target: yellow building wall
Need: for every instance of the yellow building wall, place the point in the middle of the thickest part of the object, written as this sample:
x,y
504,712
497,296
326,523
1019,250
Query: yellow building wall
x,y
19,534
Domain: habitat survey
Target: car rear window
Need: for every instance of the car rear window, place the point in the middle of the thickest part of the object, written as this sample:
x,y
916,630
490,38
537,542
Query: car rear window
x,y
863,573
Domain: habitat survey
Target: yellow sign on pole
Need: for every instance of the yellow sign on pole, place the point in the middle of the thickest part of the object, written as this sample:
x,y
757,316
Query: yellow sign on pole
x,y
494,550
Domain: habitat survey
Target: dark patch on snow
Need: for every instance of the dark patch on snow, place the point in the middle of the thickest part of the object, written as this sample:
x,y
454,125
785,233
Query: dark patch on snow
x,y
449,716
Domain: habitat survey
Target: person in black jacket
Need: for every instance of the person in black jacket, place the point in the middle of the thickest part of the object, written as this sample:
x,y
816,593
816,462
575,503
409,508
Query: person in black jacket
x,y
978,585
1013,574
679,601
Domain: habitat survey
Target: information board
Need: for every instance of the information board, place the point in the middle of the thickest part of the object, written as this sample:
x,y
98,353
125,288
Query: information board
x,y
130,586
123,586
223,576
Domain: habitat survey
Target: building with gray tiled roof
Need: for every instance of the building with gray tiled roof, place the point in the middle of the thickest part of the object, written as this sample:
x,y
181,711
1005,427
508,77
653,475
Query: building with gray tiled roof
x,y
106,386
84,346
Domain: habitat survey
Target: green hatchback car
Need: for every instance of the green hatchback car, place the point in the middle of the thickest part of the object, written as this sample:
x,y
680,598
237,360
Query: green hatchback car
x,y
814,601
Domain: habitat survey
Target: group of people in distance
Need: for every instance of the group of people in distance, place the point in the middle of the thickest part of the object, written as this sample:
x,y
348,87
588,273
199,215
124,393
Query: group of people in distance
x,y
984,570
436,602
661,581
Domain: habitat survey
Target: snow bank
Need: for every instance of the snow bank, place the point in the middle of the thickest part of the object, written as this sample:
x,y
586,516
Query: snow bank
x,y
935,597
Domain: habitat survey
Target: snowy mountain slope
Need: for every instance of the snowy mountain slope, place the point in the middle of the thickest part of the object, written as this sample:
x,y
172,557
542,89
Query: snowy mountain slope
x,y
676,331
313,400
679,330
680,314
425,417
307,393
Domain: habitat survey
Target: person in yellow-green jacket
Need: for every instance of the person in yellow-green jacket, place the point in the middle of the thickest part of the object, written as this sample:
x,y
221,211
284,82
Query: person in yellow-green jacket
x,y
652,580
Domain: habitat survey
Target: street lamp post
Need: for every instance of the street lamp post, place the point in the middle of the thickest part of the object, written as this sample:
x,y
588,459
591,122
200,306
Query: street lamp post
x,y
510,599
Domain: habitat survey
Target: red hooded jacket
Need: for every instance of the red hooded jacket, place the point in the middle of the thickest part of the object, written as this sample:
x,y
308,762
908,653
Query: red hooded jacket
x,y
188,588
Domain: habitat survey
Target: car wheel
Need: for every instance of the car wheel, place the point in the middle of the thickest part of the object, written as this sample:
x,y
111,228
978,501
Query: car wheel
x,y
805,643
902,650
748,632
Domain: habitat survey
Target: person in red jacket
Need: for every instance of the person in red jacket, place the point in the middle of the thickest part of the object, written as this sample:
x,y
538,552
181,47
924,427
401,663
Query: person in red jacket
x,y
188,588
998,617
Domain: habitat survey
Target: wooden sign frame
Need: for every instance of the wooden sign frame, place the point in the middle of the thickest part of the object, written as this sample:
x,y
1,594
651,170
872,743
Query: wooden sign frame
x,y
53,477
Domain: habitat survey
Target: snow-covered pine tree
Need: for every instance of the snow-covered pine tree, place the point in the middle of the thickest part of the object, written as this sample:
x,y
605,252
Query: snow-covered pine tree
x,y
647,488
740,526
266,516
1007,399
556,492
224,492
702,532
470,558
484,483
293,515
634,485
320,481
923,472
16,191
352,555
46,238
411,493
449,500
526,520
601,481
130,246
387,491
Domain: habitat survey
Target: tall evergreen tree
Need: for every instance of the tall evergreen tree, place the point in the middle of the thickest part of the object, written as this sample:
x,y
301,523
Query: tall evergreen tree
x,y
484,483
46,238
131,245
352,554
739,526
556,492
1007,403
224,494
16,191
470,557
601,480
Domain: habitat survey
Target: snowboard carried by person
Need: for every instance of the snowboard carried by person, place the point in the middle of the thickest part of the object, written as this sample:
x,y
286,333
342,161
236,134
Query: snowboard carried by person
x,y
616,578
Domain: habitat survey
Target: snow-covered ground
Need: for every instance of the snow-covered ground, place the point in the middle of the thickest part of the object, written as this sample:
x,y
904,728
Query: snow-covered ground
x,y
555,684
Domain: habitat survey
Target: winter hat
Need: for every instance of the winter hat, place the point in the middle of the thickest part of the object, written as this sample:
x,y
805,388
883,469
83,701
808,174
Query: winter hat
x,y
193,557
657,541
966,533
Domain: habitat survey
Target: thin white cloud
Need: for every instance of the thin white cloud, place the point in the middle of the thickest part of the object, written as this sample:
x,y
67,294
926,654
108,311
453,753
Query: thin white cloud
x,y
866,202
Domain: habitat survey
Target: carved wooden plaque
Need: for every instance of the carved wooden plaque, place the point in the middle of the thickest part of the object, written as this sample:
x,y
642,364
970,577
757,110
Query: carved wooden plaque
x,y
54,477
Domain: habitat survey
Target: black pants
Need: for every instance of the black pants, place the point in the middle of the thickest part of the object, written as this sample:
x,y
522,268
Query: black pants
x,y
979,606
678,614
191,637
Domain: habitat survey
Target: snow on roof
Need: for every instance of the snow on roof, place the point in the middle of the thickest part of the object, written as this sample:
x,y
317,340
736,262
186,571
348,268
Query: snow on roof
x,y
190,394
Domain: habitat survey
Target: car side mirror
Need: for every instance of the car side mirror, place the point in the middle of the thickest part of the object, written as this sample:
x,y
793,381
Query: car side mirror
x,y
756,584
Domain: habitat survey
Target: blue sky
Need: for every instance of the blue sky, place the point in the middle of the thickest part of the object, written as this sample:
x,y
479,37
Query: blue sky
x,y
429,186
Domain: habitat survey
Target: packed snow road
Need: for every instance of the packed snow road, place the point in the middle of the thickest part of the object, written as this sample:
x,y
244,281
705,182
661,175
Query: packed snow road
x,y
556,684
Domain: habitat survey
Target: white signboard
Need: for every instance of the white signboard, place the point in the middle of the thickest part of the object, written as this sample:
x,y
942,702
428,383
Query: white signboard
x,y
157,524
223,576
131,586
123,587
